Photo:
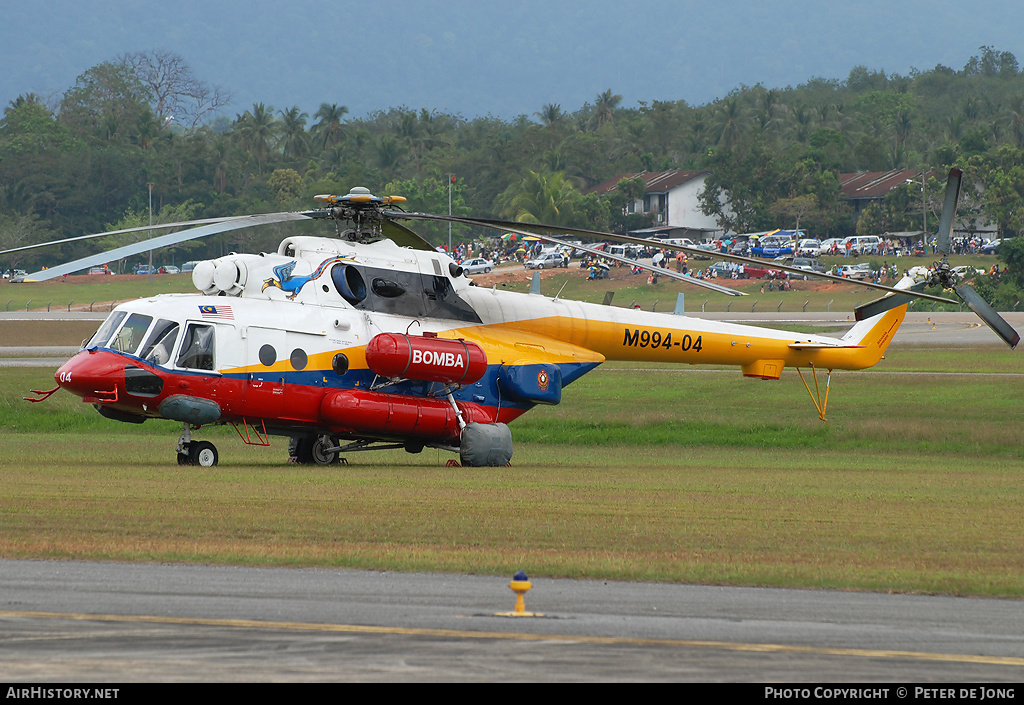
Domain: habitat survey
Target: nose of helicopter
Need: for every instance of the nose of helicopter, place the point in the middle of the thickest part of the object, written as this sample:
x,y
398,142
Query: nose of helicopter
x,y
92,375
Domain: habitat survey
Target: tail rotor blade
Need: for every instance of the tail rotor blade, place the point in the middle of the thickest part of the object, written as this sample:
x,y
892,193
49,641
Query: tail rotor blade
x,y
943,241
988,314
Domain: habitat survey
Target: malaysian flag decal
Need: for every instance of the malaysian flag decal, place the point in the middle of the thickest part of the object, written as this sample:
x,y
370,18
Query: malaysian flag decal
x,y
219,311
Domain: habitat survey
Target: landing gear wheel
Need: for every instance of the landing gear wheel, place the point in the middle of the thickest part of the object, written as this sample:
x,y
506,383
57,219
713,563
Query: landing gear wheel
x,y
183,459
319,452
312,450
203,454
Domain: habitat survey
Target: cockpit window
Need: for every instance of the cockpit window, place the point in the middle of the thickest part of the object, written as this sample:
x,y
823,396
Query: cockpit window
x,y
129,338
158,346
106,330
197,347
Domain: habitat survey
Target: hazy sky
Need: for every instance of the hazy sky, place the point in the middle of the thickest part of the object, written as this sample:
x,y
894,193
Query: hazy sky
x,y
477,58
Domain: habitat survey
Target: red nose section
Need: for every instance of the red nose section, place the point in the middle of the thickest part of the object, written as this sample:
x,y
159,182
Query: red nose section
x,y
93,375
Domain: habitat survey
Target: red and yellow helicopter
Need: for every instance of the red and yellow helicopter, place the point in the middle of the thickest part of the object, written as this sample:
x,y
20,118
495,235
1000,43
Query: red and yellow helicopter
x,y
373,339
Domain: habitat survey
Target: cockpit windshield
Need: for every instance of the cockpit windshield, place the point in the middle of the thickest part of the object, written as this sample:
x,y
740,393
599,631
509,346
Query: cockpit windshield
x,y
100,338
129,337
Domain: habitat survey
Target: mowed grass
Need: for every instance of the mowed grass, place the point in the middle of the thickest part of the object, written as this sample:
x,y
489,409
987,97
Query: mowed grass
x,y
642,473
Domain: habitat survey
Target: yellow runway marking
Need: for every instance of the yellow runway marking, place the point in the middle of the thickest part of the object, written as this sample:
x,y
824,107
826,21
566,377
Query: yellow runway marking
x,y
518,636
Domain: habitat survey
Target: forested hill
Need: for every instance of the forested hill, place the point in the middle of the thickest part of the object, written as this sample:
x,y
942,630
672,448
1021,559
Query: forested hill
x,y
82,163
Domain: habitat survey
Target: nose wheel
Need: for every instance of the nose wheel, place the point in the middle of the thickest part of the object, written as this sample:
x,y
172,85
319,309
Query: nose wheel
x,y
201,453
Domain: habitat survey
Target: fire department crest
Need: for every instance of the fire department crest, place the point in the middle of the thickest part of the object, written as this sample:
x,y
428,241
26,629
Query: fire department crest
x,y
542,380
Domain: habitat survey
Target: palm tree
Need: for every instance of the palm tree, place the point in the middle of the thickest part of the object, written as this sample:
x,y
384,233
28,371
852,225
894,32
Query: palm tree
x,y
24,99
329,130
729,122
803,117
605,106
550,115
410,131
294,138
257,131
1017,121
389,152
541,197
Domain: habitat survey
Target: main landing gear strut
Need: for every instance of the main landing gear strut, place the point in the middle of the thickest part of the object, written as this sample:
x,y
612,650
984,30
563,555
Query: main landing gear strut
x,y
202,453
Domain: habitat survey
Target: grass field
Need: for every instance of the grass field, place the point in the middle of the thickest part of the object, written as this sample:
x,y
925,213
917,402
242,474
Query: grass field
x,y
643,472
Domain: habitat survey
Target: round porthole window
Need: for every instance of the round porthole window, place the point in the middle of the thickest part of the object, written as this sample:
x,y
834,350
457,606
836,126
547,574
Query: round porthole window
x,y
340,364
299,359
268,356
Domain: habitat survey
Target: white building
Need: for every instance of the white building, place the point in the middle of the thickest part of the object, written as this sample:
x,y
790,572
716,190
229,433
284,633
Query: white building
x,y
672,197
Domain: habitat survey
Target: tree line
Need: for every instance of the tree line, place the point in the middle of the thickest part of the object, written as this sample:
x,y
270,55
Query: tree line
x,y
82,161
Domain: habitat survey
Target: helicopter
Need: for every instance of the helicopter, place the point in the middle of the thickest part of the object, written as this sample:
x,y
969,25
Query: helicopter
x,y
373,339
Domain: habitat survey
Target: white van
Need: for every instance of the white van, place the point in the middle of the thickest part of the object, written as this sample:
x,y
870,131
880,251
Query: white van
x,y
861,244
625,251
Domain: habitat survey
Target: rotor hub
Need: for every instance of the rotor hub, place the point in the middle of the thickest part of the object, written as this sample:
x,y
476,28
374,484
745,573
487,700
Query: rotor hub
x,y
359,207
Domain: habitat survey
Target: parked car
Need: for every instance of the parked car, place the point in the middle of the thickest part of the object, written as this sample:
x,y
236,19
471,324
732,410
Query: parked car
x,y
860,271
168,269
743,271
808,247
189,266
741,249
477,266
707,247
772,247
991,247
143,269
826,246
966,270
806,263
15,274
547,261
101,270
723,270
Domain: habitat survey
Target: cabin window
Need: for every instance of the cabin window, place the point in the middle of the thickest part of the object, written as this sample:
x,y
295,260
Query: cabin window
x,y
197,347
268,356
387,288
299,359
129,338
158,346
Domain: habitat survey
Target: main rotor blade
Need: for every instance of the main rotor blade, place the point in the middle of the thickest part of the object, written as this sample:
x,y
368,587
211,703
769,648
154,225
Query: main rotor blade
x,y
404,237
943,240
247,221
659,270
155,226
547,238
988,314
533,228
